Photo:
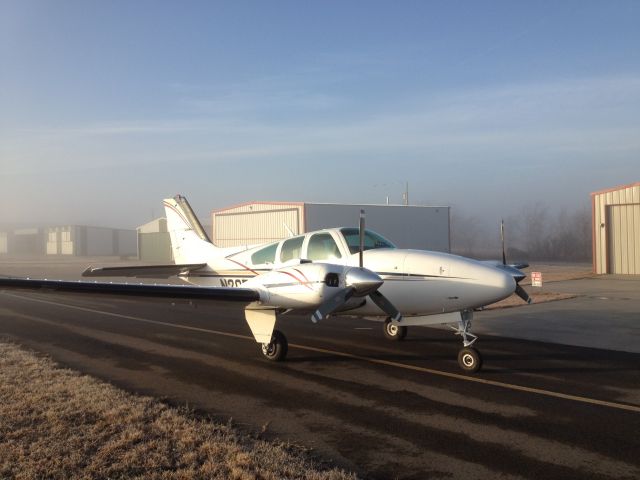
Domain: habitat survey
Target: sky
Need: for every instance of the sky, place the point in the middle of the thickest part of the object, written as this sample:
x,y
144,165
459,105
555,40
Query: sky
x,y
107,107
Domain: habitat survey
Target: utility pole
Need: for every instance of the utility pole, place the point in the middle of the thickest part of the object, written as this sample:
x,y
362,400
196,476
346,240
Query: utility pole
x,y
405,195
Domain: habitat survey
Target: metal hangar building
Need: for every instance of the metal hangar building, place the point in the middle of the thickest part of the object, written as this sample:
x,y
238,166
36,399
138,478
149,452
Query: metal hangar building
x,y
408,226
616,230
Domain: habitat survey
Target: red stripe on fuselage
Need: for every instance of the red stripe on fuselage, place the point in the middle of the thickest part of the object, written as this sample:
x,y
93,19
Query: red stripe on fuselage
x,y
306,284
243,266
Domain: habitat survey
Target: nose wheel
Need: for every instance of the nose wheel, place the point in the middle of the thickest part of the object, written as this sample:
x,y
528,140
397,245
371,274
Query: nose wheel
x,y
394,331
469,359
276,350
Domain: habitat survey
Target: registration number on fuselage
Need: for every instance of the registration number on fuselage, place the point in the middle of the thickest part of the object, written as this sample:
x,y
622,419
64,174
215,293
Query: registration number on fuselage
x,y
232,282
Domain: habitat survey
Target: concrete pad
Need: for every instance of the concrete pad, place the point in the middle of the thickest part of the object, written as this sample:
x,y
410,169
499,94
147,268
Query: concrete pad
x,y
606,314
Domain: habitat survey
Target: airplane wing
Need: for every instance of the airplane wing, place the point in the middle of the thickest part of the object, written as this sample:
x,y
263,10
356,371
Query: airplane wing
x,y
143,271
246,295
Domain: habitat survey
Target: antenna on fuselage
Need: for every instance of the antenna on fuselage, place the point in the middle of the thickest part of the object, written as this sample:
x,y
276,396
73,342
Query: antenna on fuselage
x,y
504,254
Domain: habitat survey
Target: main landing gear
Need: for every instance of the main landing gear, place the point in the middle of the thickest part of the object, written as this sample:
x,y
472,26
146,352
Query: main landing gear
x,y
469,358
276,350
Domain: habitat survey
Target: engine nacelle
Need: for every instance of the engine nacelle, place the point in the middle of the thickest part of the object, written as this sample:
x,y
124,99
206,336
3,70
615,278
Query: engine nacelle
x,y
301,287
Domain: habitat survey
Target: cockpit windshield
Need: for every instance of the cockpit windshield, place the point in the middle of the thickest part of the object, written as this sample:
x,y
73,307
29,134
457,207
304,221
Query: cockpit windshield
x,y
371,240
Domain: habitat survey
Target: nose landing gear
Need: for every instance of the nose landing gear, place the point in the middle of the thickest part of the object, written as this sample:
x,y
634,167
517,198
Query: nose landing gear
x,y
469,358
394,331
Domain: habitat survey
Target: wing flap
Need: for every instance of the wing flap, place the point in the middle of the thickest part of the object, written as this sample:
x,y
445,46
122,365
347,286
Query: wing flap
x,y
246,295
143,271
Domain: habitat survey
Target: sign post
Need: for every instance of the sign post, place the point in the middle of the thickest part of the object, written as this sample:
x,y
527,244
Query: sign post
x,y
536,279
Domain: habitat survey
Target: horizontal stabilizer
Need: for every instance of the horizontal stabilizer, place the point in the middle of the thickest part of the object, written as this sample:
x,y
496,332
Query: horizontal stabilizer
x,y
143,271
246,295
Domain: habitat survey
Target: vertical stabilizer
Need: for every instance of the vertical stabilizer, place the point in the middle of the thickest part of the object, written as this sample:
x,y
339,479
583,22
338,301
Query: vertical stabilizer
x,y
189,242
186,209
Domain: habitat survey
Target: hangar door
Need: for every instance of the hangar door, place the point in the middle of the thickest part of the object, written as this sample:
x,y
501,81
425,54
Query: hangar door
x,y
255,227
623,241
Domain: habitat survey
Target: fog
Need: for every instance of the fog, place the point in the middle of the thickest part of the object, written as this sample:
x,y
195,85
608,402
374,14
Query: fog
x,y
537,232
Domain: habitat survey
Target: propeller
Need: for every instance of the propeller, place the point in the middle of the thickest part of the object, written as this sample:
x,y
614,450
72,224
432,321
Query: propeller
x,y
361,236
517,274
359,282
331,305
504,254
522,293
385,305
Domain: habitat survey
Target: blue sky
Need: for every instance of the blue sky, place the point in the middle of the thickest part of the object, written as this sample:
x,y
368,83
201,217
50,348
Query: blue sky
x,y
108,107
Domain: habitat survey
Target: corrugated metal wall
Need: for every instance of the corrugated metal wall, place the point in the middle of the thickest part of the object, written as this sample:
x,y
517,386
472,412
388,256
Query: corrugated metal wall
x,y
81,240
423,228
256,223
154,242
616,230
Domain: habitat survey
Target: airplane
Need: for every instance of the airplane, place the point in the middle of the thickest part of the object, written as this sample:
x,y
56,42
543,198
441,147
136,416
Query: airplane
x,y
345,272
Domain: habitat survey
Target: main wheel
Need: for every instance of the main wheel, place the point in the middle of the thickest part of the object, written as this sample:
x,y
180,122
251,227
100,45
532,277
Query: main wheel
x,y
469,359
393,331
276,351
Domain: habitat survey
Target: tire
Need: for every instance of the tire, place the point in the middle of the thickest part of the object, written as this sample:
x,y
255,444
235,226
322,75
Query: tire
x,y
276,351
393,331
469,360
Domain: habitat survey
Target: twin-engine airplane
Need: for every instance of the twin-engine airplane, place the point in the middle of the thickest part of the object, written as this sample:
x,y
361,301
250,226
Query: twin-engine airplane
x,y
337,271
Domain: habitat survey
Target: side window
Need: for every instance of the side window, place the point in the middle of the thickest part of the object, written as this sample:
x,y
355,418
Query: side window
x,y
322,246
291,249
265,255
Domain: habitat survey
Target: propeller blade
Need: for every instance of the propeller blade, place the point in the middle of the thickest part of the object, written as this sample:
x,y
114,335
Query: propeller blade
x,y
385,305
504,255
361,234
331,305
521,292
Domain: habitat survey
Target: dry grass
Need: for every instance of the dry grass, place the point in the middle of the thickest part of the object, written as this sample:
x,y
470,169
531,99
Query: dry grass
x,y
559,272
56,423
542,297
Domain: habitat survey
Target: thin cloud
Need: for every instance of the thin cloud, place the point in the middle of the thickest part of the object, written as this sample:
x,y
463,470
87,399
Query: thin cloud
x,y
577,116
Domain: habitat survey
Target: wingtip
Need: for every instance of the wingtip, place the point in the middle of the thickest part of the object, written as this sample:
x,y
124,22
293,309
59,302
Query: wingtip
x,y
88,271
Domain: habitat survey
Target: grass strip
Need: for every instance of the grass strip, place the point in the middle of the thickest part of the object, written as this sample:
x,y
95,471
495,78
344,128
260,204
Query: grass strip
x,y
57,423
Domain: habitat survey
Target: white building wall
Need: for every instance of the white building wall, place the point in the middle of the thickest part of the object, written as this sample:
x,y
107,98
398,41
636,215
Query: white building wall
x,y
616,230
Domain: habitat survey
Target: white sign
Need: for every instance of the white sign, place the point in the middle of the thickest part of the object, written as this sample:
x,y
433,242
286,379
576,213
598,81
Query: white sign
x,y
536,279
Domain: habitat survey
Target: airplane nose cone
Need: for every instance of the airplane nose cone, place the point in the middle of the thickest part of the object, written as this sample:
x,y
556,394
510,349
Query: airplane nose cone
x,y
363,281
503,283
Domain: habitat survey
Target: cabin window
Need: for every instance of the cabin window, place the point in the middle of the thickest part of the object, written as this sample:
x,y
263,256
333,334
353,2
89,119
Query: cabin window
x,y
322,246
265,255
291,249
371,240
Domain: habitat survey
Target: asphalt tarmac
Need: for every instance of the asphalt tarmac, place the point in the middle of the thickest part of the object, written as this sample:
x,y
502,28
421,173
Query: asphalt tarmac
x,y
383,409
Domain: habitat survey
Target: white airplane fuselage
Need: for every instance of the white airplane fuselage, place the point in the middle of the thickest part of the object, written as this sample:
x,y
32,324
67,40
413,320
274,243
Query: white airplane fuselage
x,y
417,282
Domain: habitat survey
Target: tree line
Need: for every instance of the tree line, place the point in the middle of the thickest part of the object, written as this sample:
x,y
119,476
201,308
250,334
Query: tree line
x,y
536,233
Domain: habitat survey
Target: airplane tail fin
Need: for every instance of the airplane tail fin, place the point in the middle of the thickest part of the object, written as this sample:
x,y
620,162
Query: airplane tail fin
x,y
189,241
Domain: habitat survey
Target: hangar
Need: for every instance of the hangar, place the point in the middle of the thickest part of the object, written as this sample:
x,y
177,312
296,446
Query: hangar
x,y
408,226
82,240
73,240
154,243
616,230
